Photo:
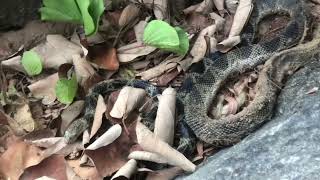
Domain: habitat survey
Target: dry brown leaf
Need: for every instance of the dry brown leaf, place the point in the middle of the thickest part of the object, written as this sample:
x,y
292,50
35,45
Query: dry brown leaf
x,y
158,70
129,13
128,99
164,174
139,29
165,119
313,90
107,138
200,47
19,156
241,17
53,167
127,170
160,7
109,159
24,118
46,142
14,63
220,6
166,78
14,126
200,149
45,88
57,50
70,113
228,44
85,172
131,51
97,120
83,69
231,107
104,56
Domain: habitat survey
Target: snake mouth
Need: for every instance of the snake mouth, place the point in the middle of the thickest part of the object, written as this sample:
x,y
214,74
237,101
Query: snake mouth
x,y
236,94
271,26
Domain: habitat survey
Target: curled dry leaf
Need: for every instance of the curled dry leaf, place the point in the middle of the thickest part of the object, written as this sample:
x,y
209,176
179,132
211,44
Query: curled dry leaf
x,y
97,120
45,89
57,50
160,7
107,138
160,69
147,156
128,99
131,51
165,120
241,17
129,13
228,44
83,69
149,142
127,170
199,48
110,158
70,113
24,118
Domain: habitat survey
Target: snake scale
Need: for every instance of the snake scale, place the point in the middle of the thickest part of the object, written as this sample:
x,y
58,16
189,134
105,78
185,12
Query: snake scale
x,y
280,55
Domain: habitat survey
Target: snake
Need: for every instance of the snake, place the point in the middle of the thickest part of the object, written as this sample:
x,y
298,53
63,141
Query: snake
x,y
280,56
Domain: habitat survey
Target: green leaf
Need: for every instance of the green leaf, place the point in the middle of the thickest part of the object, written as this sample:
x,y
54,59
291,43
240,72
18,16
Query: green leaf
x,y
183,47
32,63
66,89
96,9
61,10
161,35
86,12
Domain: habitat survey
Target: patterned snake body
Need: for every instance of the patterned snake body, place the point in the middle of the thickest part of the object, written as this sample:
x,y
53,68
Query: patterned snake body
x,y
201,89
280,55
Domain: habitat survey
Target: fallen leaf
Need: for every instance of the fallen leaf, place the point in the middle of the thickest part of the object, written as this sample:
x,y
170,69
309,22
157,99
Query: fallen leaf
x,y
126,170
232,5
57,50
219,4
129,13
160,7
241,17
14,125
107,138
45,89
228,44
19,156
84,172
169,173
128,99
139,28
205,6
97,120
24,118
46,142
109,159
14,63
166,78
158,70
53,167
131,51
82,68
165,119
70,113
104,56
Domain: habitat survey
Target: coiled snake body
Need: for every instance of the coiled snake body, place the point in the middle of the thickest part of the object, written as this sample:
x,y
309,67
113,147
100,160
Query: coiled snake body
x,y
199,90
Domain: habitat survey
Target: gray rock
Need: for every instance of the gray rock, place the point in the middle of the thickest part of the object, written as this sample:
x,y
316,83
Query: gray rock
x,y
287,147
15,13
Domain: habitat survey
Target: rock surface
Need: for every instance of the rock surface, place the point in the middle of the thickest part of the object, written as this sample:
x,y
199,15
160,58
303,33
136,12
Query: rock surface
x,y
15,13
288,147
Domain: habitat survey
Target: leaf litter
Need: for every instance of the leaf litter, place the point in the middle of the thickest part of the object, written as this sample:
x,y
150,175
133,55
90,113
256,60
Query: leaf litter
x,y
133,40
